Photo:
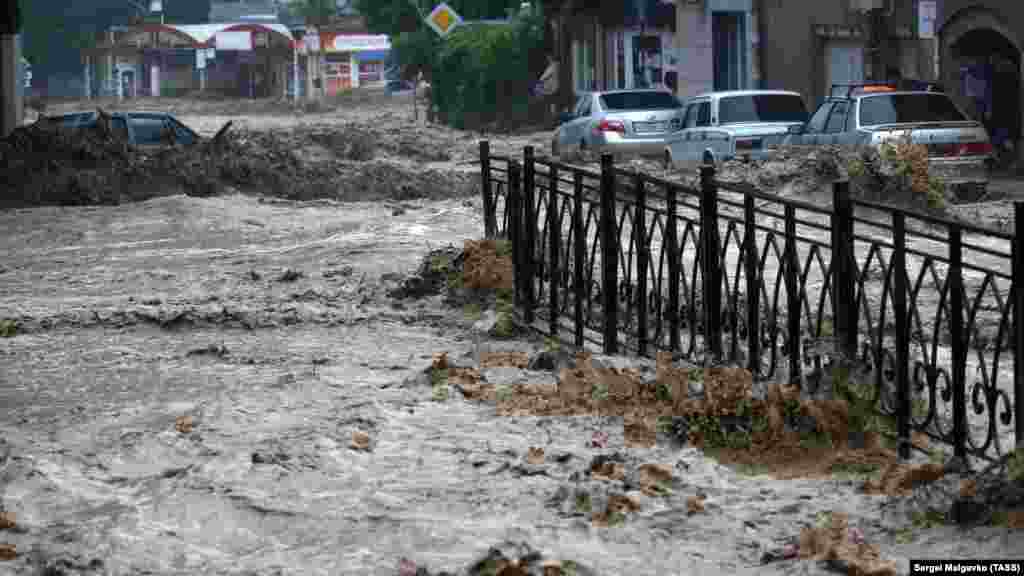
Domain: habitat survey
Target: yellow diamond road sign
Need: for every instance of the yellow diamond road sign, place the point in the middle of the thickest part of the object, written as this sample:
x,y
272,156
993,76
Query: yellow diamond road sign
x,y
443,19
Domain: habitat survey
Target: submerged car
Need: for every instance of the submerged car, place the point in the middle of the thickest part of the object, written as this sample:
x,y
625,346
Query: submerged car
x,y
138,128
620,122
959,149
718,126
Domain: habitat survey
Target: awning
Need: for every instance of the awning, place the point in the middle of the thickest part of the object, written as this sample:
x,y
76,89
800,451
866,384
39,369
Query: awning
x,y
206,35
373,55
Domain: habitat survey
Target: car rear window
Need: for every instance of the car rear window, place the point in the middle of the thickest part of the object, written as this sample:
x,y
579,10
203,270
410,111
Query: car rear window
x,y
639,101
761,108
69,120
908,108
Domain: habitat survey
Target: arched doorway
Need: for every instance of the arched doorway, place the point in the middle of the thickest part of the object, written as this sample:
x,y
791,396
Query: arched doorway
x,y
990,75
981,61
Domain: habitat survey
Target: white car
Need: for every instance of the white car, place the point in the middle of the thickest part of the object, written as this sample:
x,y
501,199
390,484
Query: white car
x,y
718,126
623,122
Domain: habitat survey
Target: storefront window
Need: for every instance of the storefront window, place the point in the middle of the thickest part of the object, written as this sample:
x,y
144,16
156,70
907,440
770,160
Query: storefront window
x,y
371,71
647,62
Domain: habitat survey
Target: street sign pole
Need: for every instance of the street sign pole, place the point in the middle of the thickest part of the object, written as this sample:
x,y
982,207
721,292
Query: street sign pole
x,y
442,19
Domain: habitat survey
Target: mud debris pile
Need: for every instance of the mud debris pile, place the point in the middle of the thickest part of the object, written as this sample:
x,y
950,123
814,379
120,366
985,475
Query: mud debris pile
x,y
45,164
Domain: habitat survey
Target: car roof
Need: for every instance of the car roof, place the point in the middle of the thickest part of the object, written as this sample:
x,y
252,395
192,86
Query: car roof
x,y
898,93
114,113
745,93
599,93
632,91
886,93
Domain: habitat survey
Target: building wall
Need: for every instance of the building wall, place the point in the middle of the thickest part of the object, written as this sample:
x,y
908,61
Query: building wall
x,y
790,58
793,52
693,43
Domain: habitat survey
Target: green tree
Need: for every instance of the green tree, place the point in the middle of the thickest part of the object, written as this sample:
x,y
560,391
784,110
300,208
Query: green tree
x,y
55,30
483,73
315,12
415,46
393,17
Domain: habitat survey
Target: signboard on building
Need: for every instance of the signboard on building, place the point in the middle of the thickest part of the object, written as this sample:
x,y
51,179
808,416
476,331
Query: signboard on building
x,y
234,40
359,43
926,19
443,19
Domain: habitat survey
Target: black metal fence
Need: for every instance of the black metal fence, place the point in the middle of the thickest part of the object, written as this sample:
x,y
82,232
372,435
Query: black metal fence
x,y
729,273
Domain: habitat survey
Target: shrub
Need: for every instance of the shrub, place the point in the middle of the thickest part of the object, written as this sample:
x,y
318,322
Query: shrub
x,y
897,171
483,73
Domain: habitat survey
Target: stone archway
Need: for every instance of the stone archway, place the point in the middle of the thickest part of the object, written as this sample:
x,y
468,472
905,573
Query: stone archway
x,y
981,64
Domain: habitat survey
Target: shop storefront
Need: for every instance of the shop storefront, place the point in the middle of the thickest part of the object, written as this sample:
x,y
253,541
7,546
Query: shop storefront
x,y
353,60
640,59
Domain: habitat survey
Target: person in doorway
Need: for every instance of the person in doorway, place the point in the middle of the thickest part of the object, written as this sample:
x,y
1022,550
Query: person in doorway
x,y
547,89
671,81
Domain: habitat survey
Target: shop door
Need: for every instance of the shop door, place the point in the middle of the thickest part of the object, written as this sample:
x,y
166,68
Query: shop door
x,y
845,63
644,61
728,36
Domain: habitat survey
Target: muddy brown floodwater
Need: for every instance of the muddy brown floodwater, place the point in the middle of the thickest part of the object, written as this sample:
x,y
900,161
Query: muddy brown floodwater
x,y
266,323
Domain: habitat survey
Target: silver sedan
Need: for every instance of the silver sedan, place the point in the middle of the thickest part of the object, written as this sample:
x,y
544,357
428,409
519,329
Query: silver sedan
x,y
621,122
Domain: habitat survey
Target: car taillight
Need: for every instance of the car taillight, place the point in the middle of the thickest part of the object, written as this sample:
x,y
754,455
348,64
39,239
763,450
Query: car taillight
x,y
974,149
610,126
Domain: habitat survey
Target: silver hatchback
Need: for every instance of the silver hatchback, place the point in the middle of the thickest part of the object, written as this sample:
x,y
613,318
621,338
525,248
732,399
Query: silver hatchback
x,y
621,122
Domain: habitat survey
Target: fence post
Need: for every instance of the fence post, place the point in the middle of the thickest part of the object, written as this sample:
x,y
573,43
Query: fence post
x,y
672,239
609,256
579,255
844,304
899,299
711,269
515,232
485,189
1018,322
554,251
793,300
529,234
956,328
753,286
640,233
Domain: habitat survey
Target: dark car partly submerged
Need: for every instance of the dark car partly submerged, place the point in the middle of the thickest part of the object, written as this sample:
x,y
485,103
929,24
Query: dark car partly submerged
x,y
138,128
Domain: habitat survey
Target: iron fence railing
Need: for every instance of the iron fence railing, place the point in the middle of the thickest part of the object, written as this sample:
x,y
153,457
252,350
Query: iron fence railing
x,y
928,308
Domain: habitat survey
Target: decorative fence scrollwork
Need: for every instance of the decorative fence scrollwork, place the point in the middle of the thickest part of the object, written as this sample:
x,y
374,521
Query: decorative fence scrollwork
x,y
929,308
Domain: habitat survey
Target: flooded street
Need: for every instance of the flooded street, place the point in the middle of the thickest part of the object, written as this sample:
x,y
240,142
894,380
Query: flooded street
x,y
192,379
